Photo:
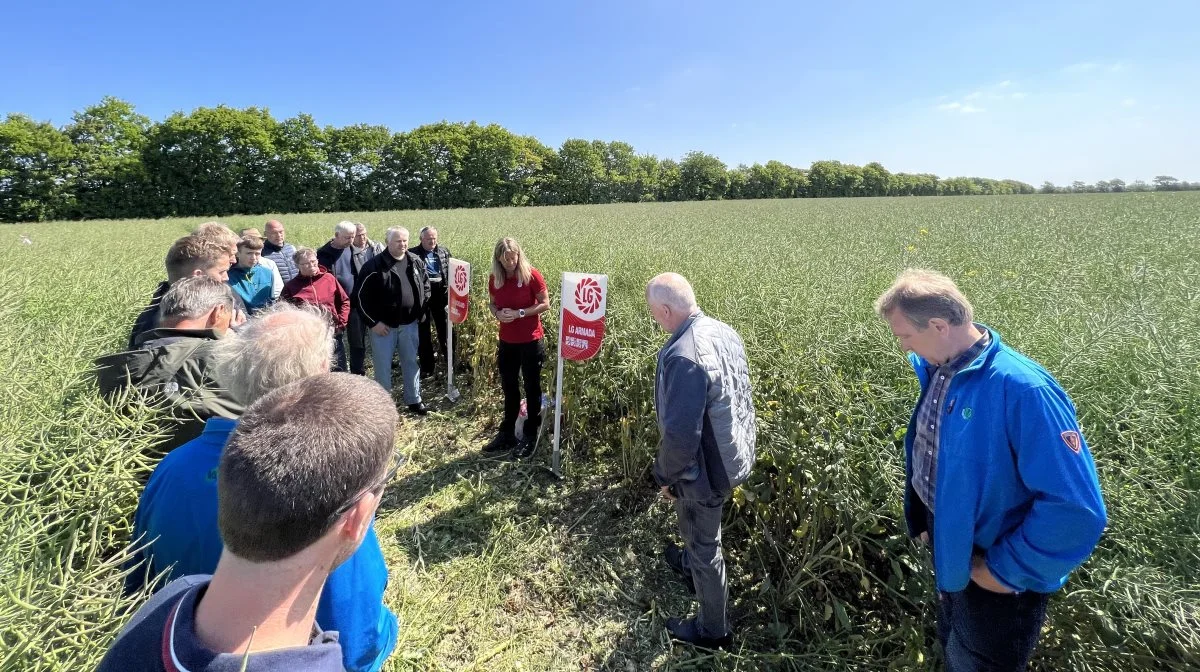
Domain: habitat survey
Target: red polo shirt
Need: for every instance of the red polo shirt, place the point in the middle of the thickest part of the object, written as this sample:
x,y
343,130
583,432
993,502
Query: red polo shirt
x,y
515,295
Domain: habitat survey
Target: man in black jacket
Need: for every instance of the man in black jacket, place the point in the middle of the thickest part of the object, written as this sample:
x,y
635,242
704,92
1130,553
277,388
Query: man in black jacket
x,y
437,267
391,293
174,361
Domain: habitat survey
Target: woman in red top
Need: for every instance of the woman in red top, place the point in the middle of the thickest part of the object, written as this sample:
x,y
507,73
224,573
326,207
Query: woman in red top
x,y
318,287
519,297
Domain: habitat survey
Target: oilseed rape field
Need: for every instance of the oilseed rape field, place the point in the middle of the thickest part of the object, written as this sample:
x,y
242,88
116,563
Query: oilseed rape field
x,y
499,565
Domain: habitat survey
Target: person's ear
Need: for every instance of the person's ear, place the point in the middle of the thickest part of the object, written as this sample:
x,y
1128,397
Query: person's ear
x,y
355,522
939,325
219,316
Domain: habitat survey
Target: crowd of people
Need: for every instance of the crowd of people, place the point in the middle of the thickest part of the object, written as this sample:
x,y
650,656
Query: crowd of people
x,y
257,527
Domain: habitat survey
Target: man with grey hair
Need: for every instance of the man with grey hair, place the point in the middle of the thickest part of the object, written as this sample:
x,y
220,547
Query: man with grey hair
x,y
391,294
998,477
362,250
437,266
706,425
176,359
335,255
177,513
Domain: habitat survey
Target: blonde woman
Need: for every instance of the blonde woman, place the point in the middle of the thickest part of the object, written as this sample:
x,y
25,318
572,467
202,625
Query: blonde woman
x,y
518,298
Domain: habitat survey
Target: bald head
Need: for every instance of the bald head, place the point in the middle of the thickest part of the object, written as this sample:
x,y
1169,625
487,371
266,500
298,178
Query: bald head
x,y
274,231
276,347
671,300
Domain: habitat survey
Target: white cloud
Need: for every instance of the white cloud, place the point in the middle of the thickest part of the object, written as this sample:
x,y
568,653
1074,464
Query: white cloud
x,y
1077,68
974,95
1019,95
1003,84
1128,102
964,108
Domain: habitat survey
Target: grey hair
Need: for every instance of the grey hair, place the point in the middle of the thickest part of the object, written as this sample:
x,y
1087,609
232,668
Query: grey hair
x,y
275,347
394,230
673,290
194,297
427,229
303,252
345,226
921,295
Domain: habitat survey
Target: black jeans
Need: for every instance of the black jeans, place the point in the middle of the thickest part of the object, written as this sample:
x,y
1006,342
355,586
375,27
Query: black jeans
x,y
981,630
435,312
521,359
356,342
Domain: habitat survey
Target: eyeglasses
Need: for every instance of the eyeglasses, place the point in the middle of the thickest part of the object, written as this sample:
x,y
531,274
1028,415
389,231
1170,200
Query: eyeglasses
x,y
378,485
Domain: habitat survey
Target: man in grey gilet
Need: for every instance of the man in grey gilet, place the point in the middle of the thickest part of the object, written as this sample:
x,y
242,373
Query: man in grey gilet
x,y
706,426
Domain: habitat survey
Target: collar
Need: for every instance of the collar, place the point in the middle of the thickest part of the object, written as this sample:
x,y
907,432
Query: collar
x,y
683,328
985,353
181,653
219,425
167,332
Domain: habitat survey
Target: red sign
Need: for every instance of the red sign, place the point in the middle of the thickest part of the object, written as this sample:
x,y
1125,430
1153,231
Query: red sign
x,y
460,290
582,329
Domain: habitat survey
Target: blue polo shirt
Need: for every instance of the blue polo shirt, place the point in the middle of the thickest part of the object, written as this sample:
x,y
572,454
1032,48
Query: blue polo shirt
x,y
177,513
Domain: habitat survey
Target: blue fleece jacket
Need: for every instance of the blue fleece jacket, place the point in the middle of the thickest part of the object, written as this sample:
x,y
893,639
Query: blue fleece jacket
x,y
178,512
1015,478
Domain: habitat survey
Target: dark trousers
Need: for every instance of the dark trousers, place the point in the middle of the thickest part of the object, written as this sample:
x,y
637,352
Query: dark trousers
x,y
521,360
985,631
339,352
435,313
356,342
700,528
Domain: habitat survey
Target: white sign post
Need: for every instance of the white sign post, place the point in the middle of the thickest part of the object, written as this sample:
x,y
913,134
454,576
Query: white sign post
x,y
457,305
580,333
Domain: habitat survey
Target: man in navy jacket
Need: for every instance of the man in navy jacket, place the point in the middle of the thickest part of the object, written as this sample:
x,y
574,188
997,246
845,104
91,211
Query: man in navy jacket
x,y
998,476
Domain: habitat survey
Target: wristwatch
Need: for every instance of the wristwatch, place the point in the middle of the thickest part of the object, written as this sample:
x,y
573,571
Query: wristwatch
x,y
521,312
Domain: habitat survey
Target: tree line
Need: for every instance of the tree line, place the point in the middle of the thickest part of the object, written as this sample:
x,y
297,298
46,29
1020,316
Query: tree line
x,y
111,162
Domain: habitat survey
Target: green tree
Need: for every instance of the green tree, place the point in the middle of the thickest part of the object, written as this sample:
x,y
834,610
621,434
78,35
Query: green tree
x,y
578,173
108,140
301,179
875,180
702,177
1166,183
37,178
214,161
354,152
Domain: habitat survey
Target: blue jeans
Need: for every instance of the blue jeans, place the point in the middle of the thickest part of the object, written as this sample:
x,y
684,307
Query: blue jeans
x,y
403,339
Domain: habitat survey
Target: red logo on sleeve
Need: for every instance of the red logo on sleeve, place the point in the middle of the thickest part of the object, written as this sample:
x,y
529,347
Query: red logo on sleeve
x,y
1073,441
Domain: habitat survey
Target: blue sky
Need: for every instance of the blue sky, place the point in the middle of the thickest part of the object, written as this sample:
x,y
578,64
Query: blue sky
x,y
1027,90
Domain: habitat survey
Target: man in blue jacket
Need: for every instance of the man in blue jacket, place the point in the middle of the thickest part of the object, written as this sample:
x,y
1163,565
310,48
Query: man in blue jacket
x,y
297,487
998,476
177,514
